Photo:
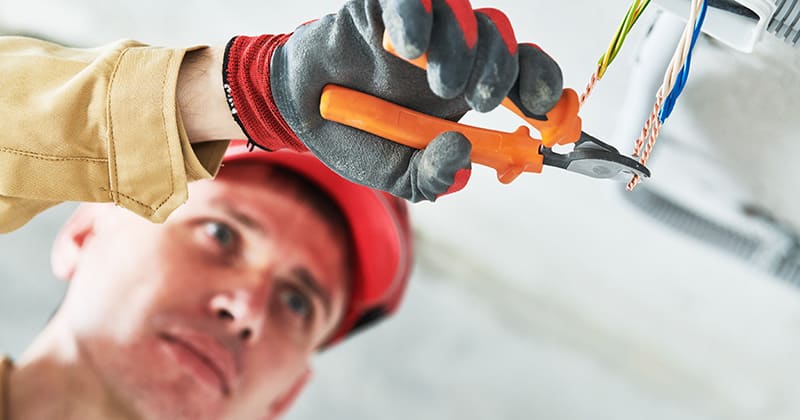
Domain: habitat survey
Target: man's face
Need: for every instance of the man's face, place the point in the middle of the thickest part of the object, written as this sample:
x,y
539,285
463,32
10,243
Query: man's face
x,y
214,313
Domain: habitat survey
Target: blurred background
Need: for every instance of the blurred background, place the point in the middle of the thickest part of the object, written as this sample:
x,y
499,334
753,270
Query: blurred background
x,y
557,296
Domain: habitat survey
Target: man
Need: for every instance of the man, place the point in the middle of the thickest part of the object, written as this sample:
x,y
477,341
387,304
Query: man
x,y
183,320
215,313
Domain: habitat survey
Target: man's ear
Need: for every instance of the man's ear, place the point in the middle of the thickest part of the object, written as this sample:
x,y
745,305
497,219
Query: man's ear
x,y
71,239
282,404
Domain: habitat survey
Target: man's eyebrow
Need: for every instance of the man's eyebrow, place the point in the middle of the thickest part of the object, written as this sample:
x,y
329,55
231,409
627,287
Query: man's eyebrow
x,y
314,286
241,217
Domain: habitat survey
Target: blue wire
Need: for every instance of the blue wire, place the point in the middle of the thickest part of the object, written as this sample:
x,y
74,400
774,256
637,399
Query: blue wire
x,y
683,76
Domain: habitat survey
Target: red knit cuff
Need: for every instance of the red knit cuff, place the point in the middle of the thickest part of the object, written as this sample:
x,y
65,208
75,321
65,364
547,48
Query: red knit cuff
x,y
245,77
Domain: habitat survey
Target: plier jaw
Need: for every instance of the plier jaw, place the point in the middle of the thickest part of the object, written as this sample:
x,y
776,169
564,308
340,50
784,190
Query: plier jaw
x,y
590,156
596,159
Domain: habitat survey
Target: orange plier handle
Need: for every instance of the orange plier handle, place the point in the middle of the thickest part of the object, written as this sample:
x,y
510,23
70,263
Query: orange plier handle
x,y
562,124
508,153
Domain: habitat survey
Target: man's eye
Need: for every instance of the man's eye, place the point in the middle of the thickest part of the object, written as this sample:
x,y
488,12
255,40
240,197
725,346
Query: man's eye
x,y
222,234
296,302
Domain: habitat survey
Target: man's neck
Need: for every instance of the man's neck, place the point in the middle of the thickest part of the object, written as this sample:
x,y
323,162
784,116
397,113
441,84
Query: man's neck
x,y
54,380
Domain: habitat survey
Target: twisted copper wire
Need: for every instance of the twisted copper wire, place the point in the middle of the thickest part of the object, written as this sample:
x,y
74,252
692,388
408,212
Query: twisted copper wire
x,y
632,183
651,142
590,86
651,127
643,135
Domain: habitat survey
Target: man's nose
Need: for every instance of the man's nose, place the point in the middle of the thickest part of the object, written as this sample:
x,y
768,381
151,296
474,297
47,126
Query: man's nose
x,y
241,311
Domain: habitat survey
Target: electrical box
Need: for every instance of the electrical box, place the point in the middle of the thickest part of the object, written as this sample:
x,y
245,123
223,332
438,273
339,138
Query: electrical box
x,y
737,23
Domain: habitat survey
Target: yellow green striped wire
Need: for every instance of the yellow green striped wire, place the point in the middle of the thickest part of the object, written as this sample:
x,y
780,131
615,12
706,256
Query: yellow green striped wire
x,y
636,10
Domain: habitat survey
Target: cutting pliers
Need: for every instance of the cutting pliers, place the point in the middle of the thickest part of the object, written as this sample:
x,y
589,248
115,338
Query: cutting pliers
x,y
509,153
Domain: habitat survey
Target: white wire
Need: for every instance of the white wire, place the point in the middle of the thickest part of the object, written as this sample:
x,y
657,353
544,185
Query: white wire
x,y
652,126
682,51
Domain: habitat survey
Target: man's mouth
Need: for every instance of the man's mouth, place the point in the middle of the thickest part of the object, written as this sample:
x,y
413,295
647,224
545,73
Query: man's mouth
x,y
207,360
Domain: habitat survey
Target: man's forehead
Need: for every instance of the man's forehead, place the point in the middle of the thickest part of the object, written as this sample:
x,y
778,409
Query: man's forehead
x,y
241,215
243,181
247,173
236,183
251,202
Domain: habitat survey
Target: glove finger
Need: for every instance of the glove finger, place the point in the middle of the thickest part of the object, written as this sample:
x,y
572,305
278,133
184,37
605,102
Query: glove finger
x,y
441,168
452,49
497,63
540,82
408,24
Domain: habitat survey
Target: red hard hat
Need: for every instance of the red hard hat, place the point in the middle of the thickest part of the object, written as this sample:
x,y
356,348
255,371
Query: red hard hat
x,y
379,228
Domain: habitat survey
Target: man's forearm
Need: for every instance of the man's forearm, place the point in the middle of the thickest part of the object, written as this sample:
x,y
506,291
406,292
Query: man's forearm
x,y
201,98
101,125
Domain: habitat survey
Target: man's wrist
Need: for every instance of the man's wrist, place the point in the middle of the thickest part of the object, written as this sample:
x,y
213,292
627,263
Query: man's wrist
x,y
201,99
247,80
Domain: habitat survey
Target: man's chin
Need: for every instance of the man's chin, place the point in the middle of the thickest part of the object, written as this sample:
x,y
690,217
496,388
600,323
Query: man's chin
x,y
196,364
179,398
147,378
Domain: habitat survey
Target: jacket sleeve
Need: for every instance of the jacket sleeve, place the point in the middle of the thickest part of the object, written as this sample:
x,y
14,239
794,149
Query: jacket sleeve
x,y
96,125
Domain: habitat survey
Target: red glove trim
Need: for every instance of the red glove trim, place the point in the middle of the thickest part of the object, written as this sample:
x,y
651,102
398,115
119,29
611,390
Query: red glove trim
x,y
427,4
245,76
465,17
459,181
503,26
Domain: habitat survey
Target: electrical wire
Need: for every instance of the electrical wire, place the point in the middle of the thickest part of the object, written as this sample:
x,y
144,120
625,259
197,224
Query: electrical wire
x,y
674,81
683,76
674,78
634,12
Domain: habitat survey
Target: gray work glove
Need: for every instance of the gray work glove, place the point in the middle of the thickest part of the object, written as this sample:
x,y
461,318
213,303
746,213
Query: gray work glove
x,y
274,83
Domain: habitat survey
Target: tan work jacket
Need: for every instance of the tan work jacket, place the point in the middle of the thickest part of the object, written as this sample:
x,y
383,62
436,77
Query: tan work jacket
x,y
97,125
